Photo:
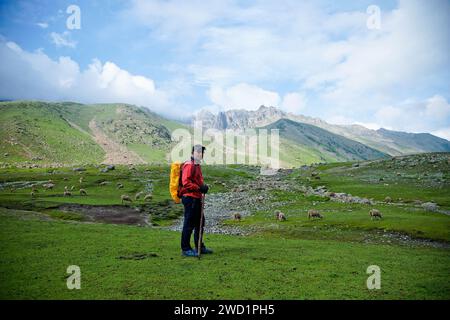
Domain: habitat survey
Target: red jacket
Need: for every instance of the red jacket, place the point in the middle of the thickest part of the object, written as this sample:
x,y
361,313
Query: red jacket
x,y
191,179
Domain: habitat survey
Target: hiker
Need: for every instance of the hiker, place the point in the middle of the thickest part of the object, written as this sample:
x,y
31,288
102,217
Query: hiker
x,y
191,197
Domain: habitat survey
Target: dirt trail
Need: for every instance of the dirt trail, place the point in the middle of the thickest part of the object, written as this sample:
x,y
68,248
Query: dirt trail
x,y
115,152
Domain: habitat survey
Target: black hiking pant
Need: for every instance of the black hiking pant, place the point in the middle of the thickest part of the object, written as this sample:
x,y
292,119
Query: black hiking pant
x,y
192,214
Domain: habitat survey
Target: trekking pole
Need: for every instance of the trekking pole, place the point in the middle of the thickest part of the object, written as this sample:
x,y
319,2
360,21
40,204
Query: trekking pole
x,y
200,235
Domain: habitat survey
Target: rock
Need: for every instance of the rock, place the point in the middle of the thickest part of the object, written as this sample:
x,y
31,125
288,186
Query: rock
x,y
79,169
430,206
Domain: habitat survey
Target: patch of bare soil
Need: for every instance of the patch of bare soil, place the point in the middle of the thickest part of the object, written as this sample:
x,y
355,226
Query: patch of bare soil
x,y
108,214
115,152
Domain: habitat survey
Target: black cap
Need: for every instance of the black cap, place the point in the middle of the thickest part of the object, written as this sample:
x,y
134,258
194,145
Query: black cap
x,y
198,148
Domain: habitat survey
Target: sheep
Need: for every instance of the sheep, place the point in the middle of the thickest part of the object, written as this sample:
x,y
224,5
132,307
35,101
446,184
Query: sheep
x,y
72,188
33,189
280,215
237,216
104,183
83,192
67,193
138,195
148,197
119,186
312,213
388,199
66,188
48,186
65,179
374,213
81,180
125,197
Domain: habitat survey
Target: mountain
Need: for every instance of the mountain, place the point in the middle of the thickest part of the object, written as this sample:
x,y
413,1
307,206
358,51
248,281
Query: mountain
x,y
385,141
305,143
68,132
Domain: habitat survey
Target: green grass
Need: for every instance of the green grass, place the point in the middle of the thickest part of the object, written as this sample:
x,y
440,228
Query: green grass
x,y
35,255
295,259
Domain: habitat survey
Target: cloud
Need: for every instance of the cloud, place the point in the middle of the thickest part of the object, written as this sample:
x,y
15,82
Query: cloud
x,y
33,75
326,51
43,25
293,102
242,96
63,39
430,115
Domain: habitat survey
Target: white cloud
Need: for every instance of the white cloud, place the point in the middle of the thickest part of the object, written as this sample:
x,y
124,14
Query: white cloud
x,y
33,75
344,68
63,39
242,96
293,102
43,25
431,115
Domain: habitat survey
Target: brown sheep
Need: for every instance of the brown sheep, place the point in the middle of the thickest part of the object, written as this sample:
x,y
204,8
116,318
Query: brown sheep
x,y
312,213
125,197
280,216
83,192
237,216
374,213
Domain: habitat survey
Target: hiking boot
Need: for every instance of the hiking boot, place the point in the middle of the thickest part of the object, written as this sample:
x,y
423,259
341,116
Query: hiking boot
x,y
189,253
205,251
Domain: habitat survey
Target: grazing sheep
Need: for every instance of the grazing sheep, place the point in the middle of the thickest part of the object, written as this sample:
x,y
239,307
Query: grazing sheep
x,y
48,186
65,179
138,195
104,183
66,188
125,197
280,215
81,180
374,213
67,193
312,213
83,192
388,199
148,197
119,186
237,216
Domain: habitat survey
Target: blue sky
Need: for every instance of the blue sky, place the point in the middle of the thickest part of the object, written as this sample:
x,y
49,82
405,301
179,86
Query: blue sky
x,y
317,58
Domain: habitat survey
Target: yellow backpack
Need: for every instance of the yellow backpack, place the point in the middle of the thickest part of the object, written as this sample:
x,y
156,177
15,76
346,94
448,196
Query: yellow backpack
x,y
175,181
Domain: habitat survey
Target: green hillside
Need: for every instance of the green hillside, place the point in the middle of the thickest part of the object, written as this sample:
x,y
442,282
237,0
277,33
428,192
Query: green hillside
x,y
68,133
304,144
38,132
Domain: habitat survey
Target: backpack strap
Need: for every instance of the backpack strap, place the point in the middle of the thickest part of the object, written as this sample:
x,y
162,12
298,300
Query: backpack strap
x,y
180,183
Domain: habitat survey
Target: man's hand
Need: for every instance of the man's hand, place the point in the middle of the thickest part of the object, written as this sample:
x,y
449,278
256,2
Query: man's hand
x,y
204,188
